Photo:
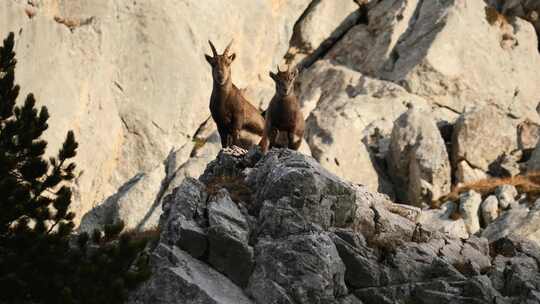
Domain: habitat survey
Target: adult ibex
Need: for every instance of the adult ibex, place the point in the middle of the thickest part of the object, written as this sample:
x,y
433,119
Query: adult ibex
x,y
238,121
284,126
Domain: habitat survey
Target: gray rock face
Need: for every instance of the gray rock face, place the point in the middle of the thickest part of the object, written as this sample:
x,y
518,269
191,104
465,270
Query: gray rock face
x,y
297,269
228,239
328,201
489,209
302,235
323,21
180,278
136,203
418,159
478,142
440,220
469,205
506,194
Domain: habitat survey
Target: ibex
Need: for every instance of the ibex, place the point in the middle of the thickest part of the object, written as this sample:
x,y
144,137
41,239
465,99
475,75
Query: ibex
x,y
284,125
238,121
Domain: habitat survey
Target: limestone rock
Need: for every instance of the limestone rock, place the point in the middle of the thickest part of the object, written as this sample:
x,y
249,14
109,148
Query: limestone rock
x,y
506,223
318,239
340,104
180,278
420,45
528,135
323,22
506,194
489,209
136,92
469,204
418,160
328,201
440,220
228,234
477,141
280,264
184,207
467,174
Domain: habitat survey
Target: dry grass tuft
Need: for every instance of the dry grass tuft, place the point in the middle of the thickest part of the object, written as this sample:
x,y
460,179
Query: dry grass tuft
x,y
235,185
148,234
528,184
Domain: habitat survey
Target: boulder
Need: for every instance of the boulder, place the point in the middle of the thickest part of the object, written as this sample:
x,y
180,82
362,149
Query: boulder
x,y
528,135
441,220
420,46
180,278
506,194
506,223
322,197
489,209
362,270
469,205
467,174
476,141
228,235
323,22
297,269
418,161
182,222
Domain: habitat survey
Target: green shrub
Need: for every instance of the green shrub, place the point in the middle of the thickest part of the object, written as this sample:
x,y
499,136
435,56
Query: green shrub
x,y
41,259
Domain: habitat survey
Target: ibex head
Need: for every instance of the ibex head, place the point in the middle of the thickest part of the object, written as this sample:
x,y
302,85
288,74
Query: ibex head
x,y
284,80
221,64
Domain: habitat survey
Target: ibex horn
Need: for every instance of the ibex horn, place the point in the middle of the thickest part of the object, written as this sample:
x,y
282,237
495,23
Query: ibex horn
x,y
278,69
214,52
226,52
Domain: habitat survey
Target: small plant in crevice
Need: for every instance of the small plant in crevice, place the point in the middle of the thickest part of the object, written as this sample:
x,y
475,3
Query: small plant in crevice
x,y
235,185
528,184
41,259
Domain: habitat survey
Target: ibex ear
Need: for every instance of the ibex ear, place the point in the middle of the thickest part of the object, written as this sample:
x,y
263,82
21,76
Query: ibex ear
x,y
232,57
273,75
210,59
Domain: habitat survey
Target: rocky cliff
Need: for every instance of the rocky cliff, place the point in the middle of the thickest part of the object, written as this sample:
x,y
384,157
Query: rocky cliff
x,y
280,228
421,118
130,78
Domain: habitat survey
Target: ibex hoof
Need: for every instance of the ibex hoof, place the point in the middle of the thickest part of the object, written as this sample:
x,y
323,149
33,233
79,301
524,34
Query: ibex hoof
x,y
235,151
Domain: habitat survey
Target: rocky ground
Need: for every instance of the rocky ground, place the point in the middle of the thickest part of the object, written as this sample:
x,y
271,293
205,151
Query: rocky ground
x,y
280,228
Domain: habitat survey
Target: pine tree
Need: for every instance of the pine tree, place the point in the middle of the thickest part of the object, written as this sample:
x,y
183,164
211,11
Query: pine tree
x,y
40,259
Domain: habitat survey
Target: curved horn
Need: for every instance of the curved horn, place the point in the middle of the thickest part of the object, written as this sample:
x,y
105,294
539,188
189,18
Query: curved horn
x,y
226,52
278,69
214,52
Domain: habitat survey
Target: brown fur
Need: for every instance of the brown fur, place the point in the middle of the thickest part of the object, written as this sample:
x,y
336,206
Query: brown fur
x,y
284,125
494,17
238,121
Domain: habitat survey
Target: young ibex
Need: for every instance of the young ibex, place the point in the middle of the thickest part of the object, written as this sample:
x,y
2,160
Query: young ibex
x,y
284,126
238,121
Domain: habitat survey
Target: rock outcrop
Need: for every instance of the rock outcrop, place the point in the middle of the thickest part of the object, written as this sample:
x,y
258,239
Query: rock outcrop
x,y
418,159
319,239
